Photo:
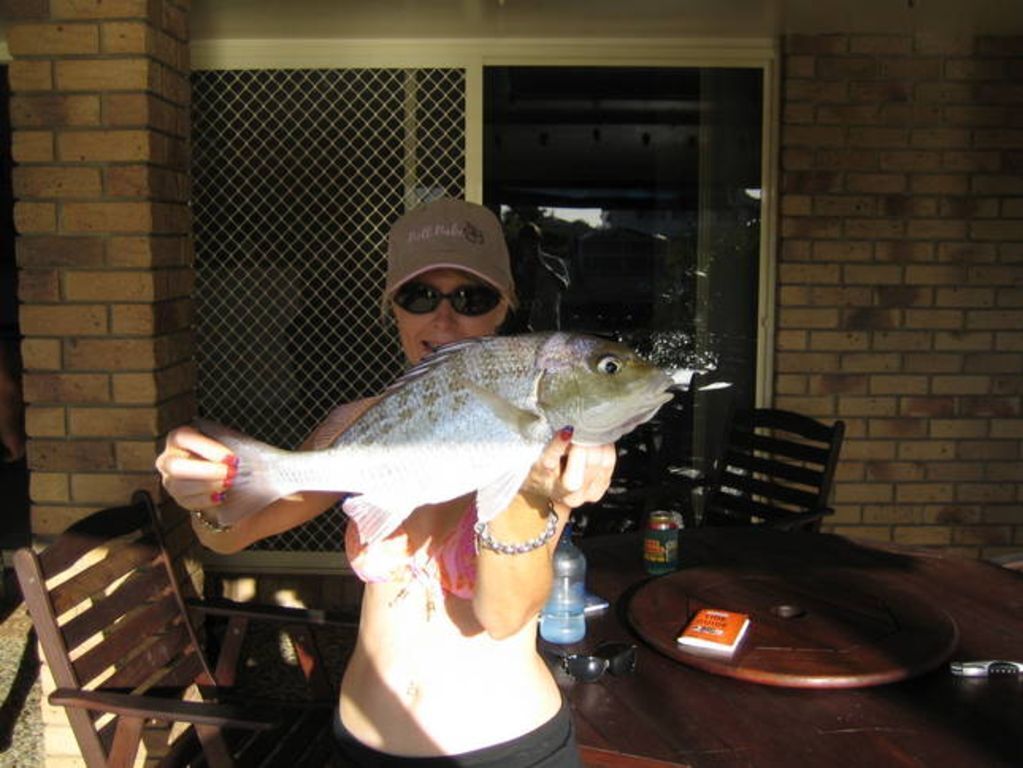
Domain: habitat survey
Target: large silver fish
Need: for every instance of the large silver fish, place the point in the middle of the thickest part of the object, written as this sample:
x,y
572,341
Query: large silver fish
x,y
473,416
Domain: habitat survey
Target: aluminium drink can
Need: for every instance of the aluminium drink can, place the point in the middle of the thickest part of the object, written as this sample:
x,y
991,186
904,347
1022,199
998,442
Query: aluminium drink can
x,y
660,543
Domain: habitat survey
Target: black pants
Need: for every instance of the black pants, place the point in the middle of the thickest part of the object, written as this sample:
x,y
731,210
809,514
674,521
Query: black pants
x,y
552,745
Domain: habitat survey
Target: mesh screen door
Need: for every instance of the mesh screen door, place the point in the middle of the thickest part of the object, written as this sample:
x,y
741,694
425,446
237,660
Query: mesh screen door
x,y
297,177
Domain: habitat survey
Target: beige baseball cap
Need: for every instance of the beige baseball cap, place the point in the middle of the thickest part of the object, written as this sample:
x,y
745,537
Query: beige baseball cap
x,y
449,233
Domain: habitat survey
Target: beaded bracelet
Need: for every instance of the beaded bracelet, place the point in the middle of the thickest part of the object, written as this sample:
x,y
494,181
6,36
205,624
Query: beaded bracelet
x,y
209,525
485,541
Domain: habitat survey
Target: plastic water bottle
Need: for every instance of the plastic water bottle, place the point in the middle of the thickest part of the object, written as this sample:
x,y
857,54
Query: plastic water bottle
x,y
563,619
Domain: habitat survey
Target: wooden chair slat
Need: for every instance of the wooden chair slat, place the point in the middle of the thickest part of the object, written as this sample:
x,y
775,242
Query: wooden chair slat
x,y
144,586
122,558
83,536
185,670
773,468
752,485
786,421
157,654
807,452
120,642
743,508
777,469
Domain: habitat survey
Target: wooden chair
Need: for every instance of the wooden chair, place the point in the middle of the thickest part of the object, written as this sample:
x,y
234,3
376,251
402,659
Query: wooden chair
x,y
776,470
115,620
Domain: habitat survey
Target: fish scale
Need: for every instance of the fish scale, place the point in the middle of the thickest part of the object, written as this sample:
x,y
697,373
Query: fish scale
x,y
473,416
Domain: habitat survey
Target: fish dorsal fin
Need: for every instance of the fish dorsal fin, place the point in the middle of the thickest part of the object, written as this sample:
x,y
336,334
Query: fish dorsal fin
x,y
436,358
494,498
337,421
528,424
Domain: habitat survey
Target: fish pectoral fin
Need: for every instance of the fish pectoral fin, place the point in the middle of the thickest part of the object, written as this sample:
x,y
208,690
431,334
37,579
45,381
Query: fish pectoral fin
x,y
522,421
494,498
375,518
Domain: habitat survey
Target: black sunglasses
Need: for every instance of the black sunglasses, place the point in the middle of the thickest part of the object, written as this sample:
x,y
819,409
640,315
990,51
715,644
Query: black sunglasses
x,y
471,300
616,658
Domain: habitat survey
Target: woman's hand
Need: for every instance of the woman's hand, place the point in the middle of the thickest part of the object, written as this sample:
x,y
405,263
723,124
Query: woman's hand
x,y
571,474
195,470
511,590
198,471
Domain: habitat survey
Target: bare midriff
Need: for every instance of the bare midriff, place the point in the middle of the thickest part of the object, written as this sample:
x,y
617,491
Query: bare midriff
x,y
425,679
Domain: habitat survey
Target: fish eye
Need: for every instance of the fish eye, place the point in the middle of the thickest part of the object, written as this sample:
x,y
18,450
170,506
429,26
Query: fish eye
x,y
609,364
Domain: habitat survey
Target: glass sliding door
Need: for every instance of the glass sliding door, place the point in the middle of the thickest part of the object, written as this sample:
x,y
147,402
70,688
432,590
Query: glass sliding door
x,y
631,198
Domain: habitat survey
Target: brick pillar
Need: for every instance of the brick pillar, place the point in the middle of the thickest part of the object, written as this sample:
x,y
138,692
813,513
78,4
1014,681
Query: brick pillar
x,y
900,279
99,111
99,114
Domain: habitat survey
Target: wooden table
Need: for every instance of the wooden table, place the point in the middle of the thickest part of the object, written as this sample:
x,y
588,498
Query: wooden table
x,y
671,713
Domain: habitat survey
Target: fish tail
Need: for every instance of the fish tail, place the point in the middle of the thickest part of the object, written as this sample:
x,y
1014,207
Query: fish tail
x,y
256,484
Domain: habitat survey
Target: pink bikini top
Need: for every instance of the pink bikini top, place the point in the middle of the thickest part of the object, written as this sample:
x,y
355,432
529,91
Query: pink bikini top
x,y
451,564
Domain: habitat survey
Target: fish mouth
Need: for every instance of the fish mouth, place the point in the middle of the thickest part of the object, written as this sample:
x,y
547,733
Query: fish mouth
x,y
646,405
650,407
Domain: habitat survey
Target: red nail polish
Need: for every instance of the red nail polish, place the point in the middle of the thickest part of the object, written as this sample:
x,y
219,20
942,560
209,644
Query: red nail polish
x,y
217,497
232,462
228,482
232,470
566,433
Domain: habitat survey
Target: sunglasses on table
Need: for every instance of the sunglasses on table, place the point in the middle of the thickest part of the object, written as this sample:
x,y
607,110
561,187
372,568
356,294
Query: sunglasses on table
x,y
470,299
616,658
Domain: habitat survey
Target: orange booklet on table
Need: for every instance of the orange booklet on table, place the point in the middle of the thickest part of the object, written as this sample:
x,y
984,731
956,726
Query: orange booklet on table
x,y
715,629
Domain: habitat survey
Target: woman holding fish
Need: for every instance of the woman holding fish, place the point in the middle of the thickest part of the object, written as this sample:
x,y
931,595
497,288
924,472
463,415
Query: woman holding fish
x,y
458,481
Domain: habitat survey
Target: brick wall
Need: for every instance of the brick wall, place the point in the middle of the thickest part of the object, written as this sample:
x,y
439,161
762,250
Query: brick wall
x,y
900,293
99,116
99,112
